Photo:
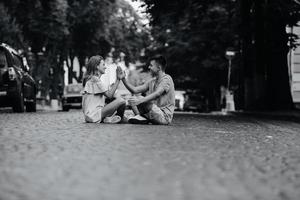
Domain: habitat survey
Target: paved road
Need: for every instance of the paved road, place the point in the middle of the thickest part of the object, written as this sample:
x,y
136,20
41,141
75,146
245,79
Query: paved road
x,y
54,155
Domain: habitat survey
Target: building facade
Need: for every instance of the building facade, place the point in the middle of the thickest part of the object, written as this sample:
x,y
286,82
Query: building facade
x,y
294,67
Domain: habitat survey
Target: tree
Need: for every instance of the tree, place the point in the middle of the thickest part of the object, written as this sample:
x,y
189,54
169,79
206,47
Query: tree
x,y
69,28
10,31
97,26
194,35
43,25
126,32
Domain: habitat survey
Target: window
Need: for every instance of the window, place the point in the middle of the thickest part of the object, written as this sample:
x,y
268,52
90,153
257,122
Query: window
x,y
17,61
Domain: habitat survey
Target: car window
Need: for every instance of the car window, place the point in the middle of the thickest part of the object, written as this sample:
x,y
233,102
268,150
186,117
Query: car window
x,y
196,97
17,61
3,60
74,88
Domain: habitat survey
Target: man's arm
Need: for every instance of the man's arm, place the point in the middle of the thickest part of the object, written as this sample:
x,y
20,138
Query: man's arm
x,y
134,101
133,89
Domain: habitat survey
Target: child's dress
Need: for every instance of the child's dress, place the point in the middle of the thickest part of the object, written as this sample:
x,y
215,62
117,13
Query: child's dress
x,y
93,99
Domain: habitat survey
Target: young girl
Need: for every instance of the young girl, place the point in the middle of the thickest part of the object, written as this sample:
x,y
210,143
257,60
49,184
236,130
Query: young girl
x,y
95,91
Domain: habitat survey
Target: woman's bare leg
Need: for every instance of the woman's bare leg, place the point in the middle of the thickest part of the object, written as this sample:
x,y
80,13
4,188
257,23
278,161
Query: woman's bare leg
x,y
117,105
121,110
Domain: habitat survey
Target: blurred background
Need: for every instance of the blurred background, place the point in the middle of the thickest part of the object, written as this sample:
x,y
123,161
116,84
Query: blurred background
x,y
229,54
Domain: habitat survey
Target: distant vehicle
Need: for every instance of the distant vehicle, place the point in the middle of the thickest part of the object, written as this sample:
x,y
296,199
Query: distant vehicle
x,y
195,101
17,87
179,99
72,96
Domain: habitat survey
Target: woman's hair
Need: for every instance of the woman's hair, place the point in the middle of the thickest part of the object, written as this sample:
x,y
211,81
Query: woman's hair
x,y
91,68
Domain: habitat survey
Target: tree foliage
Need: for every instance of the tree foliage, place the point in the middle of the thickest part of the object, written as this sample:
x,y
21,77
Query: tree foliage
x,y
194,35
69,28
10,31
126,31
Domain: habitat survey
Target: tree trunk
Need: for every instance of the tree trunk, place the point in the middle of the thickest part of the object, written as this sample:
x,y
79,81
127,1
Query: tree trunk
x,y
247,53
259,66
264,56
81,65
279,91
70,68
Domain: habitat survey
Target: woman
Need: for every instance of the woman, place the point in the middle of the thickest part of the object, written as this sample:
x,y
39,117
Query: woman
x,y
95,91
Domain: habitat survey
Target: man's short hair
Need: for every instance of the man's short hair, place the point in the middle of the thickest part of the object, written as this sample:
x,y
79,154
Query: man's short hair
x,y
160,60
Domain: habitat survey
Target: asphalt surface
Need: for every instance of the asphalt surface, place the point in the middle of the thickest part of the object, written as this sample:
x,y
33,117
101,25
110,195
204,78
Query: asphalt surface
x,y
55,155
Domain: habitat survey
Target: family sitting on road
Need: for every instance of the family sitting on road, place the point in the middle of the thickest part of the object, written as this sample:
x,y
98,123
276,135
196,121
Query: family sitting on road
x,y
156,107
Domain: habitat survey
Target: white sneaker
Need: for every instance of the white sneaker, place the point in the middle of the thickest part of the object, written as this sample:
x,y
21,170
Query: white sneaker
x,y
138,119
112,120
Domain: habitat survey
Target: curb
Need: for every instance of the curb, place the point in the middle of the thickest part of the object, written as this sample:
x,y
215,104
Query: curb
x,y
293,115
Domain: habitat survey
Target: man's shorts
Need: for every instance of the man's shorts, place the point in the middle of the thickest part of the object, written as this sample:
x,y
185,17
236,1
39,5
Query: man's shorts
x,y
154,114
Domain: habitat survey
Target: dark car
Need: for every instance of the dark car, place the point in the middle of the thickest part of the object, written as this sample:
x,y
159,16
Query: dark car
x,y
195,101
17,87
72,96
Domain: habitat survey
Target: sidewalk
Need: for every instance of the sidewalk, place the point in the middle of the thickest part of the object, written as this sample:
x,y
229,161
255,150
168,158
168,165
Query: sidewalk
x,y
290,115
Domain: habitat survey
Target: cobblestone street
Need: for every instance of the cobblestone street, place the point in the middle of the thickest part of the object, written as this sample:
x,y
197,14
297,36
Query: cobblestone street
x,y
55,155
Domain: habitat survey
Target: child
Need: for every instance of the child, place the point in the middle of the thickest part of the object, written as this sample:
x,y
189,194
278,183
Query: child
x,y
95,91
159,103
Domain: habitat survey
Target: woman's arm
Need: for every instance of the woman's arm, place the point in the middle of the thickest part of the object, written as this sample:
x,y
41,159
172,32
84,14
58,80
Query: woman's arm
x,y
120,74
139,89
110,93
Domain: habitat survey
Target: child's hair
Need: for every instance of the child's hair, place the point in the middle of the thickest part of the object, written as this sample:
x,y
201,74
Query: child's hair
x,y
160,60
91,68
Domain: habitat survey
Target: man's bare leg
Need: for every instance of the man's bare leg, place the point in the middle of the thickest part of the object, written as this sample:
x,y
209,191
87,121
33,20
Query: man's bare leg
x,y
140,111
135,110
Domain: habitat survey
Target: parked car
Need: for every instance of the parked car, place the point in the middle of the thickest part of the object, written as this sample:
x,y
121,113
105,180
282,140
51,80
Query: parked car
x,y
72,96
195,101
179,99
17,87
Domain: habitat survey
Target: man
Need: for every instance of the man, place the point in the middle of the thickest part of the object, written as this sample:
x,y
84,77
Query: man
x,y
158,105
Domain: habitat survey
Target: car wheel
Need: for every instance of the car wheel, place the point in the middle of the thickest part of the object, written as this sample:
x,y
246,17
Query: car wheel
x,y
31,106
65,108
18,100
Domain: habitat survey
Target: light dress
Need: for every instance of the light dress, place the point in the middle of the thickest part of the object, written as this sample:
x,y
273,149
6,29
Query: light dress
x,y
93,99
